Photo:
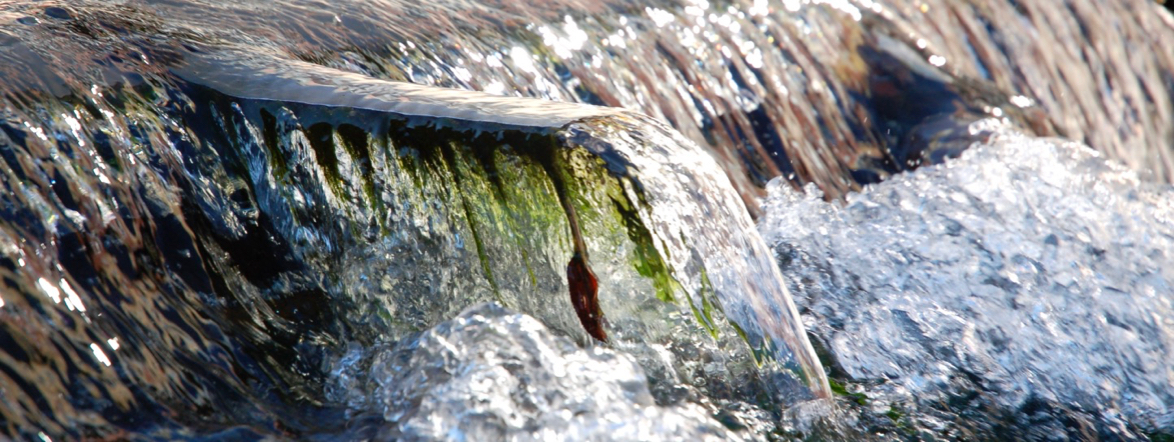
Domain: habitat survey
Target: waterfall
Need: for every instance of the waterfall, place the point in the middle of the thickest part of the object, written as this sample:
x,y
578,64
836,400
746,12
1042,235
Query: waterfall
x,y
296,206
262,219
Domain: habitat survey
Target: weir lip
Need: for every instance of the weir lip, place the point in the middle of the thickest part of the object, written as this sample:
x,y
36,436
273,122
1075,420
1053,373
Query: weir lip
x,y
256,76
757,305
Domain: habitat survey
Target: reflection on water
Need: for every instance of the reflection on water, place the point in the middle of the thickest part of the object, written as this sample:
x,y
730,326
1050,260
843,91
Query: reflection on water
x,y
206,205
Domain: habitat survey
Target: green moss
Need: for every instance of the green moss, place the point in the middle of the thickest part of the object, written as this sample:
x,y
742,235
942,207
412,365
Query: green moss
x,y
321,136
464,165
645,258
901,420
276,156
1159,436
512,192
704,315
760,355
838,389
355,142
449,151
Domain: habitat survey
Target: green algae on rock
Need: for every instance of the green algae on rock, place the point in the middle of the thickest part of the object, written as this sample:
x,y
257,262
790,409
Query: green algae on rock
x,y
288,209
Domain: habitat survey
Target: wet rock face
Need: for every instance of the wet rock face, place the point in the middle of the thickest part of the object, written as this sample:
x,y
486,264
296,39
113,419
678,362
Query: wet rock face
x,y
271,231
493,374
190,229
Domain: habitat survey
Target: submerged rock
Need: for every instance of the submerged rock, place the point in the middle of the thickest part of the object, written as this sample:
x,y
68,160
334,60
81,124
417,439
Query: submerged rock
x,y
204,225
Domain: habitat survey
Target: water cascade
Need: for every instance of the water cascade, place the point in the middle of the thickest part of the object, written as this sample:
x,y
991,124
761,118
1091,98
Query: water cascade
x,y
307,208
487,220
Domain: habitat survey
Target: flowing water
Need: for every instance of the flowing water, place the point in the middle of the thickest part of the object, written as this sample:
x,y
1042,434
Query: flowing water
x,y
346,220
1021,291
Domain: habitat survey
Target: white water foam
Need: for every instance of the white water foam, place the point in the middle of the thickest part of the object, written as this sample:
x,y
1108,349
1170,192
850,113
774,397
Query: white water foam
x,y
1032,268
493,374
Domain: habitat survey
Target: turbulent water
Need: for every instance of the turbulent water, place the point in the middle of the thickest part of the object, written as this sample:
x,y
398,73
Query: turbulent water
x,y
490,374
1020,291
312,220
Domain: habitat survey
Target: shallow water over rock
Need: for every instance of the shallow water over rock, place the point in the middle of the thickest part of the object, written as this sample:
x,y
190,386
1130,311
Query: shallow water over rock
x,y
208,207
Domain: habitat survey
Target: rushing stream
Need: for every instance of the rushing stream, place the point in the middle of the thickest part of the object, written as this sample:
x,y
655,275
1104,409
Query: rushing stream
x,y
483,220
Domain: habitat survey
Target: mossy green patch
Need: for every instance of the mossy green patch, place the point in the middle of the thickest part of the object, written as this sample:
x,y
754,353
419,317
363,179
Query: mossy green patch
x,y
356,142
705,314
901,420
645,257
276,156
838,389
1160,436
